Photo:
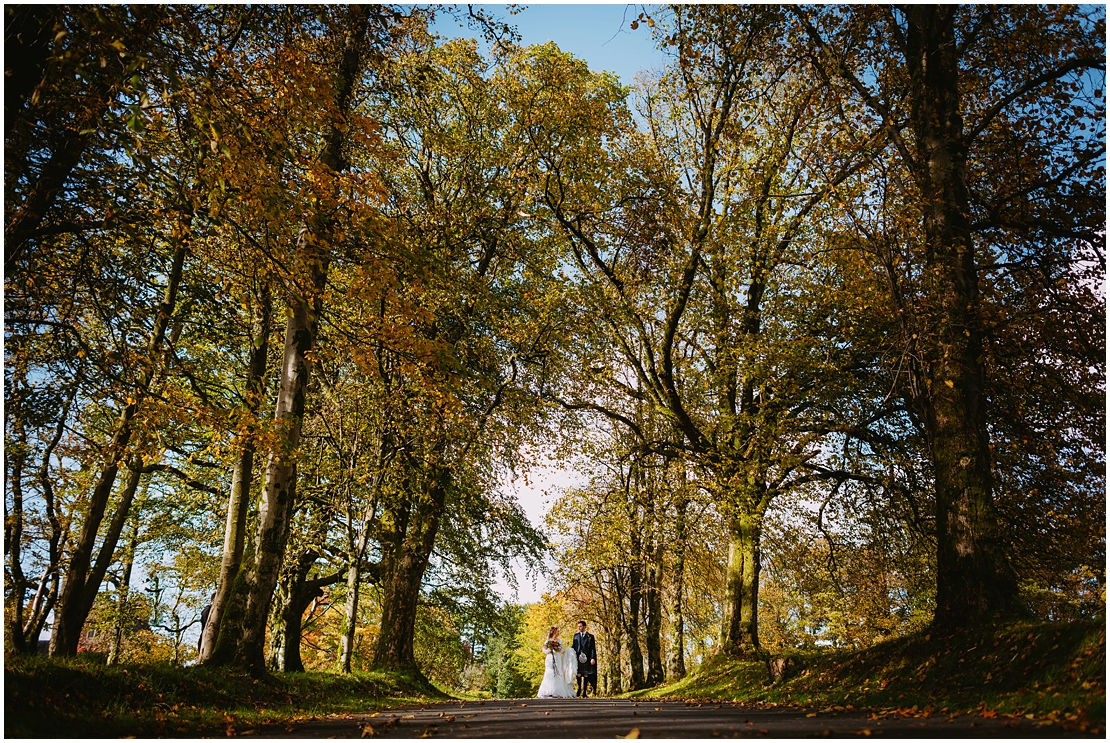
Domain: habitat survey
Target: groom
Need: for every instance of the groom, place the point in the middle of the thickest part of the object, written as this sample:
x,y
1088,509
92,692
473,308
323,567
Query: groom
x,y
585,648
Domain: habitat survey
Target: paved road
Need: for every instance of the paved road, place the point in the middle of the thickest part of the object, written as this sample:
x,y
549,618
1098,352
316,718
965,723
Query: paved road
x,y
608,718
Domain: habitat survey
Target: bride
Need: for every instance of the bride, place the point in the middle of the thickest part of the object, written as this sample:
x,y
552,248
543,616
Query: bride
x,y
560,666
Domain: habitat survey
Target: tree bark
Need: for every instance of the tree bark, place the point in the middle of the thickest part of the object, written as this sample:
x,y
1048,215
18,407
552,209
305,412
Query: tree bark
x,y
295,593
242,641
355,555
678,569
615,685
238,504
72,611
43,603
740,626
632,628
405,553
242,631
974,578
653,600
13,542
111,537
350,616
44,600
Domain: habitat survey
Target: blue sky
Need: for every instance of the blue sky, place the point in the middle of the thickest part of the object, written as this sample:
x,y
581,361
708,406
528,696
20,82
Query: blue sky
x,y
599,34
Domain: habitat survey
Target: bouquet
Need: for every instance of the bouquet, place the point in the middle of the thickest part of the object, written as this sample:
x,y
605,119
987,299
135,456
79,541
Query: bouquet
x,y
554,646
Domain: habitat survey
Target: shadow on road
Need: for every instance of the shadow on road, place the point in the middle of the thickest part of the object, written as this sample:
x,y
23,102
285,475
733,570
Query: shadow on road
x,y
609,718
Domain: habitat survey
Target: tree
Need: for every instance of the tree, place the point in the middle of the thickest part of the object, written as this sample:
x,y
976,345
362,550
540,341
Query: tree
x,y
686,239
462,333
242,630
68,70
960,78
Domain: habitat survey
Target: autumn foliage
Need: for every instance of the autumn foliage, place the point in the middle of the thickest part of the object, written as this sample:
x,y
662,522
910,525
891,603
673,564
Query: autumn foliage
x,y
292,293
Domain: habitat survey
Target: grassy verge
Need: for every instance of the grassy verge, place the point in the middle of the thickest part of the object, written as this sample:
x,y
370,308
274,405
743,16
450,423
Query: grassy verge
x,y
75,698
1049,671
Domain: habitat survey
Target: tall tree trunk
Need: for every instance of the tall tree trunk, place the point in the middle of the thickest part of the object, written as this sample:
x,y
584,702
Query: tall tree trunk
x,y
44,602
613,601
614,685
111,537
350,617
653,600
287,611
13,542
242,630
632,628
405,554
73,605
278,637
45,599
974,579
678,569
238,504
304,593
740,626
354,568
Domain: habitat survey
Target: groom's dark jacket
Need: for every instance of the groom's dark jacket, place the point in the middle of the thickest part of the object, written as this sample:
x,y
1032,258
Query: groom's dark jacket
x,y
584,644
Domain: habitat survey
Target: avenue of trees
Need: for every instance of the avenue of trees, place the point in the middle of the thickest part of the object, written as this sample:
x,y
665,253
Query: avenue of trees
x,y
292,292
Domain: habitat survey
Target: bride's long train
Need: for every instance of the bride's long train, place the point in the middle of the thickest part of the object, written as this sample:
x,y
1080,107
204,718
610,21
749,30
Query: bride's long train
x,y
559,672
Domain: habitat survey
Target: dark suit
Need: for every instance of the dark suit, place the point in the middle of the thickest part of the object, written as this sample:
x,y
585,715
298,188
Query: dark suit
x,y
203,621
584,644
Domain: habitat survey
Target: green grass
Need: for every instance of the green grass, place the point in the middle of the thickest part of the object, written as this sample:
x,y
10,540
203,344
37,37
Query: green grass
x,y
1051,671
80,698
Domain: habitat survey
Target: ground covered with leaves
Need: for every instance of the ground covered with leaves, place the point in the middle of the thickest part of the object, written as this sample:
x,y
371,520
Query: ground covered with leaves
x,y
78,698
1052,672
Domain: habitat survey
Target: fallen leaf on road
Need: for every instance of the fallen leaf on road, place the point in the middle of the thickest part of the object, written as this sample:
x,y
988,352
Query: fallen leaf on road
x,y
865,731
812,714
634,733
368,731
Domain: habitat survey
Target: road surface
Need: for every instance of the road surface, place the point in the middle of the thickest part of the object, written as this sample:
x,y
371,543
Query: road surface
x,y
609,718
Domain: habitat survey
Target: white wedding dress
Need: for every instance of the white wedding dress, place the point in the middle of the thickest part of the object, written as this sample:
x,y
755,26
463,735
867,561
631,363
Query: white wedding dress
x,y
560,668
